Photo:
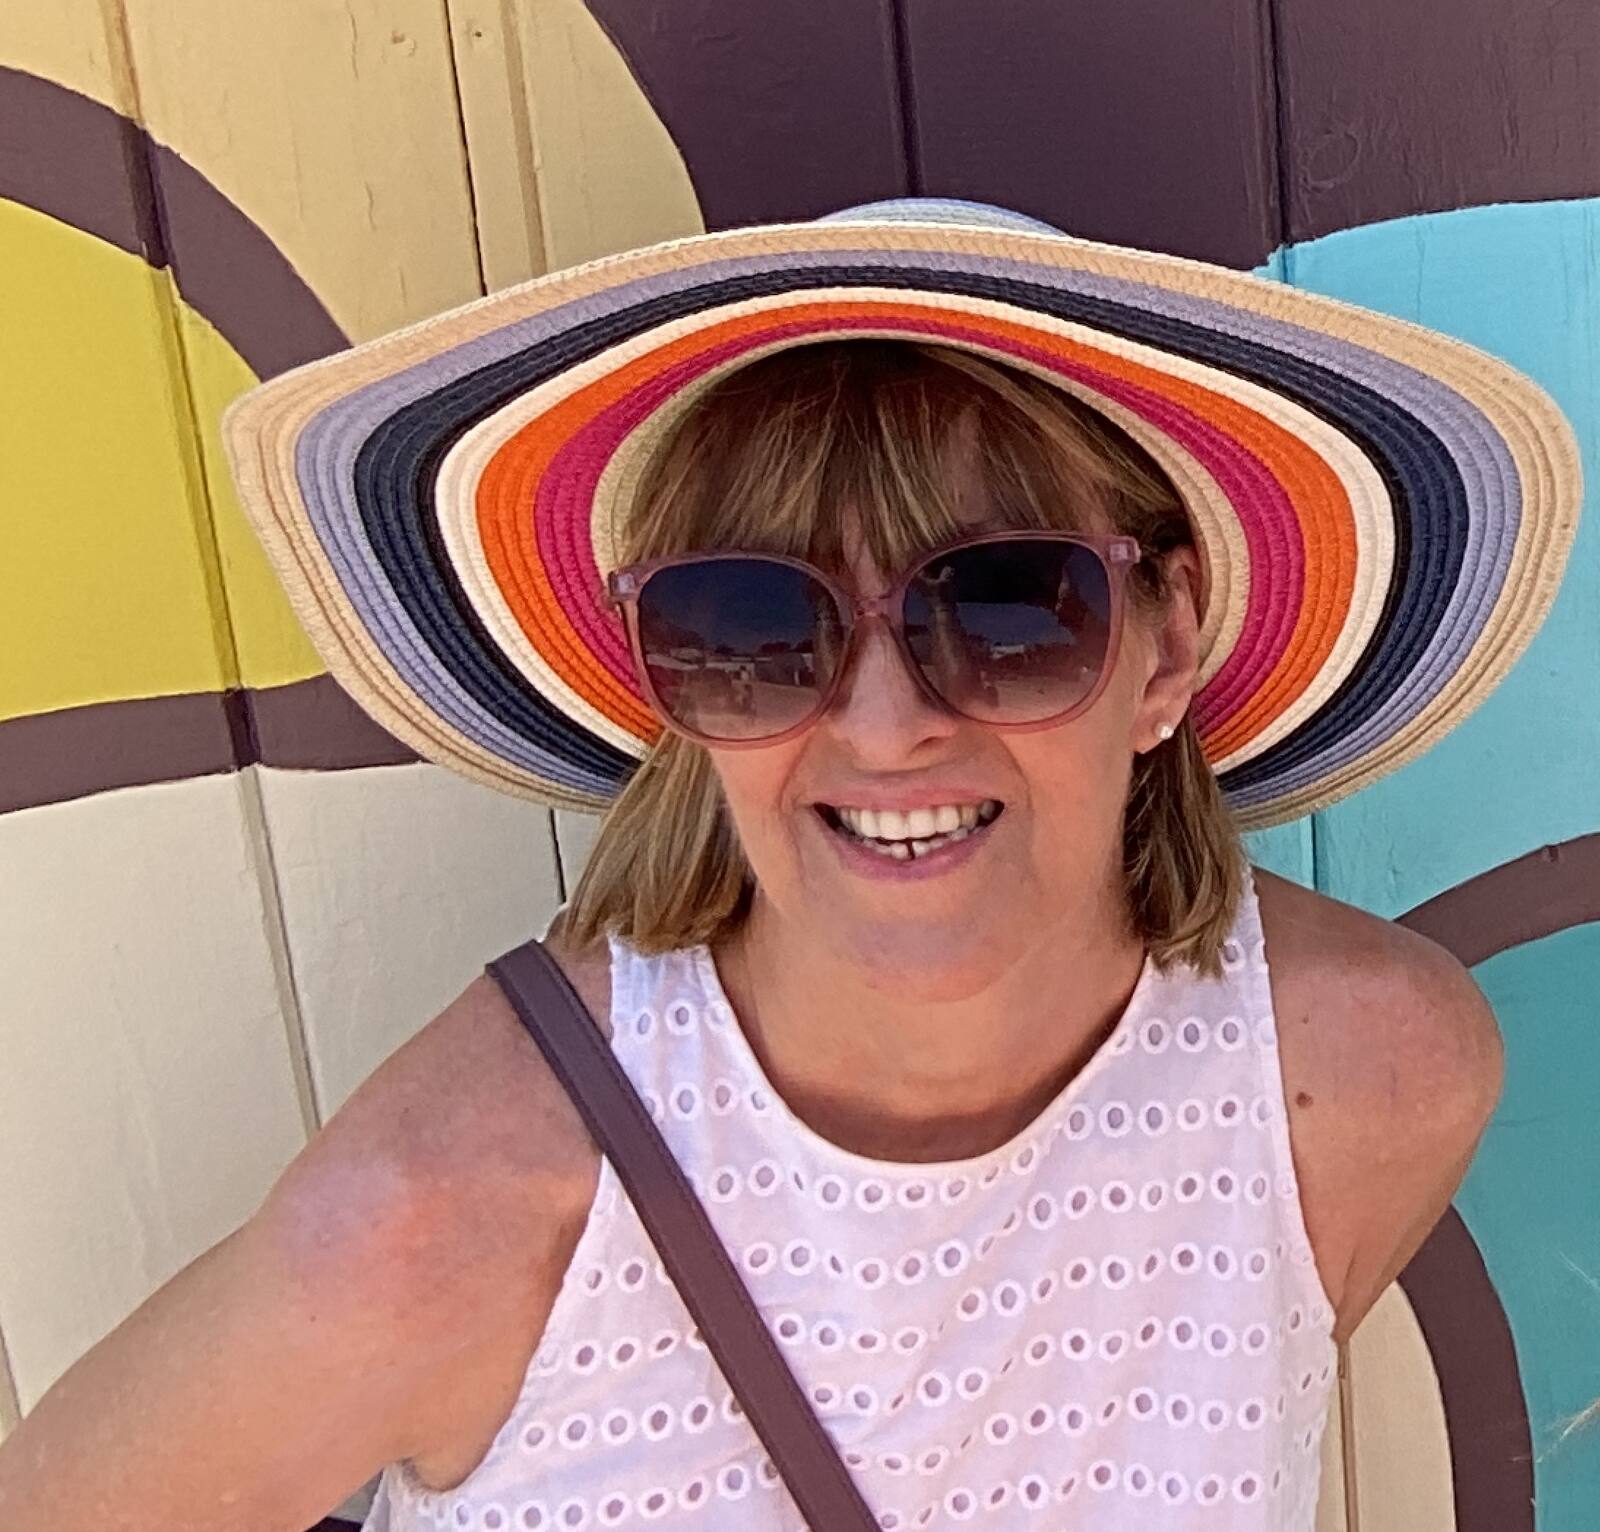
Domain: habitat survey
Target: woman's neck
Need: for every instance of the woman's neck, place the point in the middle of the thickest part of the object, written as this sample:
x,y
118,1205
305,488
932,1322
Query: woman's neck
x,y
893,1075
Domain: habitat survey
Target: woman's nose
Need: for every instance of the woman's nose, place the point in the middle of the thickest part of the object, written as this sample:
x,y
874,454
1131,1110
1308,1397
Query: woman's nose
x,y
879,705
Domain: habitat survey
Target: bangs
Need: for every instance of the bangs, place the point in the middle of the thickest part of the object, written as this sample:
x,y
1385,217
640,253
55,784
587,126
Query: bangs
x,y
910,443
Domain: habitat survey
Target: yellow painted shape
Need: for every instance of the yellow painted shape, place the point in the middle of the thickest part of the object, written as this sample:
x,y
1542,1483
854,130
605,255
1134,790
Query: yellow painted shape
x,y
271,647
106,585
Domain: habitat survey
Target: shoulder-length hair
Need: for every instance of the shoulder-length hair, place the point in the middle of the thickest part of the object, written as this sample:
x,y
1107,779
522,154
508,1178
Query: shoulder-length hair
x,y
765,459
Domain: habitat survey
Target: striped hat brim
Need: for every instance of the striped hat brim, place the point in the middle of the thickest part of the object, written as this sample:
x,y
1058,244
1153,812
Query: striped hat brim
x,y
1384,512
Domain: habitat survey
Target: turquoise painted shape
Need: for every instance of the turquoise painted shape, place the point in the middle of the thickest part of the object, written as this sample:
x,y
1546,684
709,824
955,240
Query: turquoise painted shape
x,y
1521,281
1532,1202
1285,850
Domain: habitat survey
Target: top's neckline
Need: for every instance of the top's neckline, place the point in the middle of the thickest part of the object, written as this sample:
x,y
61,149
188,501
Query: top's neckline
x,y
1031,1133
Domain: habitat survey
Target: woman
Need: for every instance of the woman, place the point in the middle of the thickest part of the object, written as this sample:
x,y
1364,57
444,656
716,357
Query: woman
x,y
1057,1145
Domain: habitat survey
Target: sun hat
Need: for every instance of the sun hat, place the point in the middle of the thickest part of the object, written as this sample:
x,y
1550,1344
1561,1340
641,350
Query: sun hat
x,y
1383,512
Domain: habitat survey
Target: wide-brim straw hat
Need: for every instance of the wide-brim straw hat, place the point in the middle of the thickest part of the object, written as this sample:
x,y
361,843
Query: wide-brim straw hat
x,y
1383,511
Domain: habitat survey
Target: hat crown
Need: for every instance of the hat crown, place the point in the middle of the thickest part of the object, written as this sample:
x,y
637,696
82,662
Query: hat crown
x,y
953,210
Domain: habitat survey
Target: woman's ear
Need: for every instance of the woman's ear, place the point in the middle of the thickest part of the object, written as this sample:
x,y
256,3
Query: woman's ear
x,y
1174,653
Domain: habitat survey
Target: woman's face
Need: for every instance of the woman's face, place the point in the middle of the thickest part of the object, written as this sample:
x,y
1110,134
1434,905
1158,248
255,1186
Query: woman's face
x,y
941,927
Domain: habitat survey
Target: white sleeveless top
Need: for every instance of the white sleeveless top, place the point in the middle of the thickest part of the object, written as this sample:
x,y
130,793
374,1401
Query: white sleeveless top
x,y
1114,1320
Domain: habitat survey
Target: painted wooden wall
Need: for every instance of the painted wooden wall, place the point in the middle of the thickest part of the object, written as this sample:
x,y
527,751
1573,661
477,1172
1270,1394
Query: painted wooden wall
x,y
225,896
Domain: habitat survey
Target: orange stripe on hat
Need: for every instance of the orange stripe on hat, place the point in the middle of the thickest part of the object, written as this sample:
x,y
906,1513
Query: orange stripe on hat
x,y
511,477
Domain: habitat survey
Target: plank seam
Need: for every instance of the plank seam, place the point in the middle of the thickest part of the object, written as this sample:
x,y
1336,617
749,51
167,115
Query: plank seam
x,y
264,863
906,97
462,143
10,1400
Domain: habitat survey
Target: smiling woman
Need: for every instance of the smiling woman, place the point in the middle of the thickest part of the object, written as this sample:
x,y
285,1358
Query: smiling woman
x,y
903,447
927,598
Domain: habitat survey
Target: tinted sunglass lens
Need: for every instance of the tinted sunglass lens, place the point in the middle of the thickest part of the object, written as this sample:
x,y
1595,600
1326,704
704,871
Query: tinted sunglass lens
x,y
737,648
1014,631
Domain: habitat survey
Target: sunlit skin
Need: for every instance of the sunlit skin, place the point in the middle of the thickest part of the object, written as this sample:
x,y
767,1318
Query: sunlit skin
x,y
932,1019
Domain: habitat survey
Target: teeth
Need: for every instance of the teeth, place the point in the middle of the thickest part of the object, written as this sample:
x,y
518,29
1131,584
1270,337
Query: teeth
x,y
921,824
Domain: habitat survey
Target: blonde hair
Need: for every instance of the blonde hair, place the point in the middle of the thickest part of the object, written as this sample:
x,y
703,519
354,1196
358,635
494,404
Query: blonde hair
x,y
767,459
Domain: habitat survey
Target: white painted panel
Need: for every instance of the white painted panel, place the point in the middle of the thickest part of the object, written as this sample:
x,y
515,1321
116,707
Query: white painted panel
x,y
146,1096
397,884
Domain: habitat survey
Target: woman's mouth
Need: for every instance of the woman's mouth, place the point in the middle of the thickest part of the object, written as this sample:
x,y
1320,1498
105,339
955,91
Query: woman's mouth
x,y
905,835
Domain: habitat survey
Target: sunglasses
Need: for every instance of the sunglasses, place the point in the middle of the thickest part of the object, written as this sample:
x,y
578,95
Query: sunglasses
x,y
1017,630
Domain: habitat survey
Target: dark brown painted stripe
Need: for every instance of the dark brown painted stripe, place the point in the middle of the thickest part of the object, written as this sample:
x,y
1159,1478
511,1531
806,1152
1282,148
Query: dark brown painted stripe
x,y
1475,1358
1218,129
1145,125
51,757
79,161
67,156
75,752
1546,891
1390,110
316,725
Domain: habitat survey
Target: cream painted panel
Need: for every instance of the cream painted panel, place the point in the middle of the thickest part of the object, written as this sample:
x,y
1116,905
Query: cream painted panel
x,y
64,41
1398,1437
334,127
147,1098
575,834
398,883
553,112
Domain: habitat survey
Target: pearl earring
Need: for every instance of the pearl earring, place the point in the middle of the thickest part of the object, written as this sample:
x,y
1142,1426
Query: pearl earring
x,y
1164,731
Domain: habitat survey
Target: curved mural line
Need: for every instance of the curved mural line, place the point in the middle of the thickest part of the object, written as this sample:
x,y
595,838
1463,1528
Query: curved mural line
x,y
80,162
1447,1283
83,163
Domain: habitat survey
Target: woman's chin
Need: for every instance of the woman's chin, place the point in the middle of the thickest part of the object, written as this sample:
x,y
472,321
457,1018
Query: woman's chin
x,y
920,959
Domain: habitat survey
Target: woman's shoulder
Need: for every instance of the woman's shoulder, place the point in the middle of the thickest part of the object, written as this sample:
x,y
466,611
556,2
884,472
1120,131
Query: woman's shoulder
x,y
1392,1063
460,1152
1314,940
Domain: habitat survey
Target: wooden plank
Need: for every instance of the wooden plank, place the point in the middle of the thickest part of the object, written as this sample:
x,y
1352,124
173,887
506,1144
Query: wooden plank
x,y
569,157
118,600
64,41
1398,1438
398,884
145,1032
1393,110
780,111
333,126
1133,121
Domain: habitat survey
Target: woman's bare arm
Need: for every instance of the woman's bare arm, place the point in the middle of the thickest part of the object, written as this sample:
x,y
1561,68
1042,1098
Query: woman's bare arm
x,y
253,1392
342,1326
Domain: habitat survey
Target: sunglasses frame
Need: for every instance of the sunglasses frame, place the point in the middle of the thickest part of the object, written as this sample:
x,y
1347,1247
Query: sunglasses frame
x,y
1116,553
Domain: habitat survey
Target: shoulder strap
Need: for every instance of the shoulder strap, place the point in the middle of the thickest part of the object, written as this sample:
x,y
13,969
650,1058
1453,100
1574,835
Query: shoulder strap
x,y
733,1329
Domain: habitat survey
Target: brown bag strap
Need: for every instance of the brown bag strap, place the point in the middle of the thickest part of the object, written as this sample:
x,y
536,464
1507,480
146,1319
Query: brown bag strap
x,y
732,1327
